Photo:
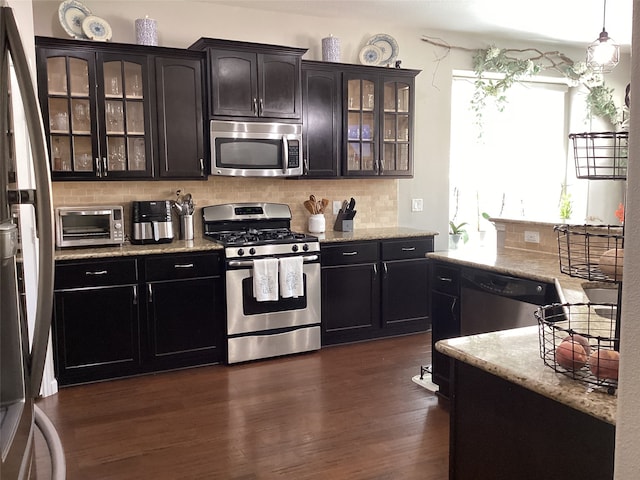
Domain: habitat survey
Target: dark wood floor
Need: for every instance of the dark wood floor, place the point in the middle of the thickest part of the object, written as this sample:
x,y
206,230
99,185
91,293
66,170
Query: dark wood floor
x,y
345,412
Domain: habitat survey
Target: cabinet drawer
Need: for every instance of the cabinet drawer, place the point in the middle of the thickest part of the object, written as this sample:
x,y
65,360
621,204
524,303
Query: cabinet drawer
x,y
96,273
350,253
446,279
406,248
171,267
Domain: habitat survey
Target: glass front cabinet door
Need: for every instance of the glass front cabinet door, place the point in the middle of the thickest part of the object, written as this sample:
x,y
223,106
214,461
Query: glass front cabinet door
x,y
379,123
95,110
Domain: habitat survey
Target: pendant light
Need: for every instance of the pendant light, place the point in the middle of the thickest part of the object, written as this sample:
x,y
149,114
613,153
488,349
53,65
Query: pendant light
x,y
603,54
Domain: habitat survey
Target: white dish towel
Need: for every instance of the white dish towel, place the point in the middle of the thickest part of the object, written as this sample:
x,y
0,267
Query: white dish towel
x,y
265,279
291,277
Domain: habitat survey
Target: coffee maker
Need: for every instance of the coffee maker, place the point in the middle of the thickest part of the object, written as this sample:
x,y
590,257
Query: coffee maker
x,y
151,222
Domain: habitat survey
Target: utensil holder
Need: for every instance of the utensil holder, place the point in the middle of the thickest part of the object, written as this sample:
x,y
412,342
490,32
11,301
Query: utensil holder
x,y
317,223
186,227
342,224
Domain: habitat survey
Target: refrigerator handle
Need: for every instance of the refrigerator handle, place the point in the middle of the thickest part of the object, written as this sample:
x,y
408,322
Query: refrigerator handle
x,y
44,205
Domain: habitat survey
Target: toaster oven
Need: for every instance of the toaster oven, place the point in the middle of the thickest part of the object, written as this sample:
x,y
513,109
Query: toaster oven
x,y
89,226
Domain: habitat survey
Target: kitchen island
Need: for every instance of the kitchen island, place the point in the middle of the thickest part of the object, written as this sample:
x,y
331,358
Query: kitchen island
x,y
511,415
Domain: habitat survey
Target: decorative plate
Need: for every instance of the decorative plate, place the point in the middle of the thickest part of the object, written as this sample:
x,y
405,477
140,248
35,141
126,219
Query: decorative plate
x,y
370,55
71,13
388,45
96,28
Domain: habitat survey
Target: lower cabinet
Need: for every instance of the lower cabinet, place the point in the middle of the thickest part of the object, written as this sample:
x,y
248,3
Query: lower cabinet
x,y
102,330
185,308
374,289
445,320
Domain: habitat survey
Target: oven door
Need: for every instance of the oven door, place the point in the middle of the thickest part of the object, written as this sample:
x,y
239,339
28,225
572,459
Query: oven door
x,y
246,315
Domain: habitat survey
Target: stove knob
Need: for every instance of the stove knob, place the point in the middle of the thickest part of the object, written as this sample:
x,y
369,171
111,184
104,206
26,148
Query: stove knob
x,y
240,252
252,251
305,247
294,248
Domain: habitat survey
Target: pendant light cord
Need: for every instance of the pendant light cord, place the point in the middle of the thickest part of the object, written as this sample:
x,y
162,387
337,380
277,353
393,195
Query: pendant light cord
x,y
604,16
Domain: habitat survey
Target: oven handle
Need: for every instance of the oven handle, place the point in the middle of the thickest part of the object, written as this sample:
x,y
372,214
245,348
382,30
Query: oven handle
x,y
249,263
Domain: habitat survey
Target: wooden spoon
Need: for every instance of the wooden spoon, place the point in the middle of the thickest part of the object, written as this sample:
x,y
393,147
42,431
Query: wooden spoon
x,y
309,206
325,204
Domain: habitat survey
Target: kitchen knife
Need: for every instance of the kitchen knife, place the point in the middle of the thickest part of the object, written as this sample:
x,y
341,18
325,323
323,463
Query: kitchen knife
x,y
344,207
352,204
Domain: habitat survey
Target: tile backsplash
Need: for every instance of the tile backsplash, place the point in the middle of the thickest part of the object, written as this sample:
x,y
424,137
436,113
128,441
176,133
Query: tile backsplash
x,y
377,200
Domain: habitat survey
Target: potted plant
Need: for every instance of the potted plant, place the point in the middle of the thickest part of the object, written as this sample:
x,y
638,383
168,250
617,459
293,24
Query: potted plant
x,y
456,232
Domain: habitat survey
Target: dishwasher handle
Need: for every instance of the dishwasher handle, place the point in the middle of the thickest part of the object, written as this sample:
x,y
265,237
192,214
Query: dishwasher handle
x,y
503,285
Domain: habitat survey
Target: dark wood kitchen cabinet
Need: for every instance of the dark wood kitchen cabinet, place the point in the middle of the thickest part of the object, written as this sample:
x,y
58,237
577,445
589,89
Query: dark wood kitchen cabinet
x,y
374,289
491,414
252,80
405,284
322,119
378,110
445,320
185,309
350,292
96,320
120,317
116,111
180,116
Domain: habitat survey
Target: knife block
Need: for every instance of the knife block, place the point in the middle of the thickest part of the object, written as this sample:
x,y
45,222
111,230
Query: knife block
x,y
343,225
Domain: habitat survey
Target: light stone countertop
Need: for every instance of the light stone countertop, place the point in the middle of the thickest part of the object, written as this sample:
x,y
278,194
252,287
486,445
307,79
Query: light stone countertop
x,y
515,354
202,244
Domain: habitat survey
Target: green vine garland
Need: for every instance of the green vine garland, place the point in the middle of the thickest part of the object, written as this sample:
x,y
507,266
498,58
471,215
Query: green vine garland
x,y
517,64
599,99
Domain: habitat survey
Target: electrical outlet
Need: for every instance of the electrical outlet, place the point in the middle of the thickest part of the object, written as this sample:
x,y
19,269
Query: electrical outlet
x,y
337,205
416,204
531,237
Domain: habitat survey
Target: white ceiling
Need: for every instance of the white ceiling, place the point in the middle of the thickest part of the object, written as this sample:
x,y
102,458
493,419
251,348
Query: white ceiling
x,y
568,22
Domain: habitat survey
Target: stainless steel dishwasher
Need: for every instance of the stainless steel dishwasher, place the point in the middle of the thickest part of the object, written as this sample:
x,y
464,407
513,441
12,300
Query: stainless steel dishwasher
x,y
492,301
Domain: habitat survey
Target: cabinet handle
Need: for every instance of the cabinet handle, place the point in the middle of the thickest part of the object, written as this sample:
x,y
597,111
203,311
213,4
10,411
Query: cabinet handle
x,y
261,107
97,167
349,254
104,166
305,162
381,165
255,106
202,167
375,270
408,249
445,279
135,294
453,305
99,272
386,270
183,265
150,292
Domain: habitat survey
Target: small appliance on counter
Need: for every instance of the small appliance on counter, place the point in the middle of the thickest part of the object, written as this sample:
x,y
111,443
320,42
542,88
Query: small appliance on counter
x,y
151,222
89,226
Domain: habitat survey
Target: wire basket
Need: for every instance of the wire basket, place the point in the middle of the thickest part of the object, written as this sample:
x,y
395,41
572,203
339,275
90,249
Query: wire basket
x,y
592,327
601,155
592,252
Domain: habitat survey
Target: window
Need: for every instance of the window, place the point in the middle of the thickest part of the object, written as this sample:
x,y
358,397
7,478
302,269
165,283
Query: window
x,y
514,165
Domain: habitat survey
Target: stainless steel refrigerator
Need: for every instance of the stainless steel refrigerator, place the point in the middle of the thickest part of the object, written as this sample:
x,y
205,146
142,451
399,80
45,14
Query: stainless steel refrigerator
x,y
23,352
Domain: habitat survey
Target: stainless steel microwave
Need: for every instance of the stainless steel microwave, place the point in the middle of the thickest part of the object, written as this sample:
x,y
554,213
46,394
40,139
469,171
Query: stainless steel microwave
x,y
256,149
89,226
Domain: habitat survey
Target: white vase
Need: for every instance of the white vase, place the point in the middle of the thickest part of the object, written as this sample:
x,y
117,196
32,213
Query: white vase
x,y
455,239
317,223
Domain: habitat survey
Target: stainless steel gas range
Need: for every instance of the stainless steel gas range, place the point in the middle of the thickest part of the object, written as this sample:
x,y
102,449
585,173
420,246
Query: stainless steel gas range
x,y
272,278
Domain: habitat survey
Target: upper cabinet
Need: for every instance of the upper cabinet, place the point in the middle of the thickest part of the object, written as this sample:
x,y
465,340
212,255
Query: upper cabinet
x,y
253,81
378,105
358,120
121,111
322,119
